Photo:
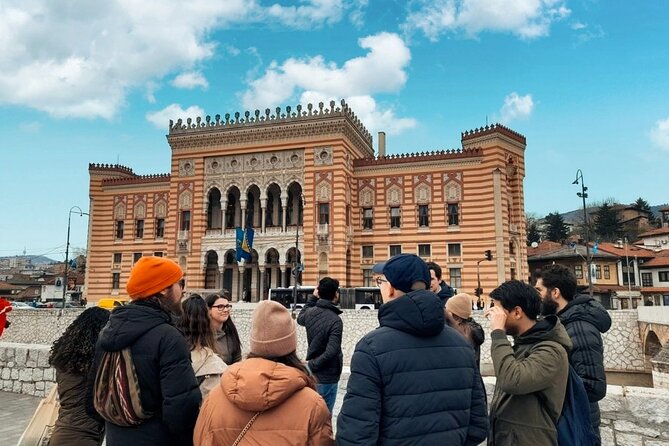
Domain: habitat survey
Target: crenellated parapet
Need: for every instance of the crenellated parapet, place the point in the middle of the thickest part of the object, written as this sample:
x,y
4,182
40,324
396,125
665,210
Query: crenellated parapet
x,y
288,115
431,156
138,179
490,129
111,168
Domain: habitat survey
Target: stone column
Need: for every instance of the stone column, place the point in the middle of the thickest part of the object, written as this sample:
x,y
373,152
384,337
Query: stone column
x,y
262,284
224,213
282,277
243,205
221,274
263,207
240,281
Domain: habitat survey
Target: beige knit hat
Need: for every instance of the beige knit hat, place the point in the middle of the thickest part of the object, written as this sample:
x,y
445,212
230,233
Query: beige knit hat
x,y
460,305
272,330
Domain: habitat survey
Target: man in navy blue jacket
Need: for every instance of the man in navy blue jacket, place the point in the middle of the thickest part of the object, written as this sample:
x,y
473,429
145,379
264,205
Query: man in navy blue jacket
x,y
413,380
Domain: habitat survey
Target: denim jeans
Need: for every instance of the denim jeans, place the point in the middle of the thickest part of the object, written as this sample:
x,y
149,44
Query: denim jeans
x,y
329,394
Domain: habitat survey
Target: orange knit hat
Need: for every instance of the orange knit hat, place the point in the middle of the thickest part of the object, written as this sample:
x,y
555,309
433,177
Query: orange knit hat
x,y
151,275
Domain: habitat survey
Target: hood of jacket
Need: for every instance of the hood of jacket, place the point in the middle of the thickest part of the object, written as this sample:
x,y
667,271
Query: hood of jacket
x,y
327,304
258,384
585,308
547,329
128,323
207,362
419,313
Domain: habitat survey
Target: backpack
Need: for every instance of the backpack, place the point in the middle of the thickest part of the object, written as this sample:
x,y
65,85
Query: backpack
x,y
573,426
116,395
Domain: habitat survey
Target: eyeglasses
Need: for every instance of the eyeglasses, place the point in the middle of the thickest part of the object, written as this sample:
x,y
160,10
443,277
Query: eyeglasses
x,y
222,307
379,281
182,283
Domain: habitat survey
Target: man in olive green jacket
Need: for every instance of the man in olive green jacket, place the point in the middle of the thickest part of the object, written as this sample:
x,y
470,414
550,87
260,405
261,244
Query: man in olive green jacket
x,y
531,375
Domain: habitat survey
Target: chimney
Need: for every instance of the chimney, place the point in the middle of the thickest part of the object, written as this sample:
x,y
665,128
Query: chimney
x,y
382,144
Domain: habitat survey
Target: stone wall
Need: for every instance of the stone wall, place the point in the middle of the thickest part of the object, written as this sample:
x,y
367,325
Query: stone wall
x,y
622,345
24,368
631,416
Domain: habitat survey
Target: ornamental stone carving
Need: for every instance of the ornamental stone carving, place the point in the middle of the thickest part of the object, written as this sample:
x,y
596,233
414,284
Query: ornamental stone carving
x,y
140,211
453,192
423,194
367,197
323,193
119,211
185,200
323,156
394,196
161,209
186,168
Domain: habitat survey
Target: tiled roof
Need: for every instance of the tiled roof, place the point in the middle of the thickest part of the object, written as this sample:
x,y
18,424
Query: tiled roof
x,y
651,289
545,246
632,250
568,252
658,231
657,261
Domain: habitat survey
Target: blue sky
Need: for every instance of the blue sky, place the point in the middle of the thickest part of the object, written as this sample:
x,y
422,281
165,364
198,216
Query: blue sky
x,y
587,82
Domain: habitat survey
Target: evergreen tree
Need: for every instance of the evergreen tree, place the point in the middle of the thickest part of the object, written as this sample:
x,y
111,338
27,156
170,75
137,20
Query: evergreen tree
x,y
642,205
533,233
608,227
556,230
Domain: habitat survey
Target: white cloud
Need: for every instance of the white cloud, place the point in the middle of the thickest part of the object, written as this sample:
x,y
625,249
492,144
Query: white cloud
x,y
190,80
81,58
381,70
527,19
161,118
30,127
516,107
659,134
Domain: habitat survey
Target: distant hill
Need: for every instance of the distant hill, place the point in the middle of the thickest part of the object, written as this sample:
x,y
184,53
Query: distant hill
x,y
576,216
35,260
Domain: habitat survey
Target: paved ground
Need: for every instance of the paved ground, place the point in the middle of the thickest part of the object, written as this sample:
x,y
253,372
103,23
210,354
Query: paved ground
x,y
15,412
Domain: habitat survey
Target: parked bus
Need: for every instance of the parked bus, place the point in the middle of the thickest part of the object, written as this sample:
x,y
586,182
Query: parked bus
x,y
286,298
359,298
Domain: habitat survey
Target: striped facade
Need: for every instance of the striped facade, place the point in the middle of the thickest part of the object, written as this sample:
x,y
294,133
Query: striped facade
x,y
309,176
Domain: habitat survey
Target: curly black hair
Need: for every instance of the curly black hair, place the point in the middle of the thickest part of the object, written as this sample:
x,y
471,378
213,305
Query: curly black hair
x,y
73,351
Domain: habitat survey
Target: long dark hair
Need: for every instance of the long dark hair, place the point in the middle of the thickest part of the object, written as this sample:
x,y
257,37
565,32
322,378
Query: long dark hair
x,y
291,360
73,351
196,324
228,326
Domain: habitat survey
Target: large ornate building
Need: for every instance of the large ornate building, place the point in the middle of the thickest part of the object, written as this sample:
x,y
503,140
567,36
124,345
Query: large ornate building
x,y
311,186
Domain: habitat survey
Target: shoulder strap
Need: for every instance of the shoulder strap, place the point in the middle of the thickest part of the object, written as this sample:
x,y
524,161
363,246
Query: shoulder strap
x,y
246,428
204,361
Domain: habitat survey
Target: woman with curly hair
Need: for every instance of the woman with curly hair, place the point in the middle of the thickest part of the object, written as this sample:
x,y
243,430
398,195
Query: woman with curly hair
x,y
197,330
228,344
72,357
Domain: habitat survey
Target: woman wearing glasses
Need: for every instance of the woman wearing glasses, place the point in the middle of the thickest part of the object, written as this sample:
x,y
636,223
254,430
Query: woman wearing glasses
x,y
227,339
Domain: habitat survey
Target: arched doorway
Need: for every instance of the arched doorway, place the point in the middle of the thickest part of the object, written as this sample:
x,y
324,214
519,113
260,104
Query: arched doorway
x,y
214,217
253,207
651,348
211,271
272,271
233,210
273,210
229,267
290,262
294,208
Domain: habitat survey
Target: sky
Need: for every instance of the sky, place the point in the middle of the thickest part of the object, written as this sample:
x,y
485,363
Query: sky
x,y
586,81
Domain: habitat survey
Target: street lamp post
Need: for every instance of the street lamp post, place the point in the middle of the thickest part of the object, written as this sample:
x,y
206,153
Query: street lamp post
x,y
75,209
583,194
296,264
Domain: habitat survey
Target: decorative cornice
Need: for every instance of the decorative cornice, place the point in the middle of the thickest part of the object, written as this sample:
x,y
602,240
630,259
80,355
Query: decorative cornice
x,y
490,129
406,158
284,125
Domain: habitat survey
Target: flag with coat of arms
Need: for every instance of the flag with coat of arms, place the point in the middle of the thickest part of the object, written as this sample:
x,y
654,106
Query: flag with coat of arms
x,y
244,243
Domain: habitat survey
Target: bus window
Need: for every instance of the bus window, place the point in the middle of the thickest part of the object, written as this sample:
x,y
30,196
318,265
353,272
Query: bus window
x,y
368,298
285,296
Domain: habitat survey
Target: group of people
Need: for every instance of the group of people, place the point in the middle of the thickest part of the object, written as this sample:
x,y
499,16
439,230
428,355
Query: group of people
x,y
415,380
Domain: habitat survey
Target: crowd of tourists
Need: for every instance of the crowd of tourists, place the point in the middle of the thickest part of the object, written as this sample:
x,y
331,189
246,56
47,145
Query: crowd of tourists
x,y
165,370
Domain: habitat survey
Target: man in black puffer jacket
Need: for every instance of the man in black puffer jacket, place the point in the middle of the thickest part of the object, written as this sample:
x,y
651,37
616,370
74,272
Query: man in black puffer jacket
x,y
585,320
324,327
167,383
413,381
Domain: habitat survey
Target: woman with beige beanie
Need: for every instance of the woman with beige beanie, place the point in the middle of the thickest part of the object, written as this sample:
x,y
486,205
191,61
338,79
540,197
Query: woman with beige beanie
x,y
269,398
458,313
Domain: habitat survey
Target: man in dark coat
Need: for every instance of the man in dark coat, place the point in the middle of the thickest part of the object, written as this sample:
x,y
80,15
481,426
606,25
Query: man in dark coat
x,y
324,327
167,383
585,320
438,286
413,380
531,374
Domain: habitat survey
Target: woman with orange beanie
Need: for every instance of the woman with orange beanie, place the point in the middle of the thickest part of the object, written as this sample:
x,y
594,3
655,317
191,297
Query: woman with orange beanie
x,y
269,398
